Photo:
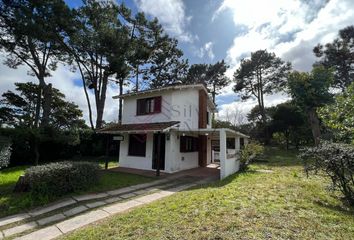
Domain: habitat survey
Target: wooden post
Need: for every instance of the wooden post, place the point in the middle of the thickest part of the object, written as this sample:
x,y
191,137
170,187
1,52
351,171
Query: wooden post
x,y
158,155
107,151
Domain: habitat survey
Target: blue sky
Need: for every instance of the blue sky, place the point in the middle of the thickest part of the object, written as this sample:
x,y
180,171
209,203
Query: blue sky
x,y
211,30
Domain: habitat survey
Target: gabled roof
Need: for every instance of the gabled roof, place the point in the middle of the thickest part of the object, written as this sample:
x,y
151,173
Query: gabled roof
x,y
137,127
199,86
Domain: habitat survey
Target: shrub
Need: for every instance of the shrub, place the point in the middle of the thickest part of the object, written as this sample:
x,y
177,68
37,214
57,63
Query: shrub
x,y
249,152
57,179
5,152
336,160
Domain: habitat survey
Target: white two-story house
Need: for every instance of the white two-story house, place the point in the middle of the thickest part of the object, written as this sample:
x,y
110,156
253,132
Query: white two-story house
x,y
170,129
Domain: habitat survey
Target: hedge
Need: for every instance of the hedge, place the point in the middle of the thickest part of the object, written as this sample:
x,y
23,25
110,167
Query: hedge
x,y
60,178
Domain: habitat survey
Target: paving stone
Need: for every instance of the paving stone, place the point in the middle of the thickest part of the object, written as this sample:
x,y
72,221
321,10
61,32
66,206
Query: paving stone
x,y
75,211
47,233
90,196
143,191
149,198
121,207
19,229
50,219
152,189
149,184
128,195
52,207
14,218
120,191
165,193
113,199
81,220
95,204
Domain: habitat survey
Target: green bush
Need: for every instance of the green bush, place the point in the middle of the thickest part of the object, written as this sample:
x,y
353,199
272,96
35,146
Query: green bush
x,y
336,160
57,179
249,152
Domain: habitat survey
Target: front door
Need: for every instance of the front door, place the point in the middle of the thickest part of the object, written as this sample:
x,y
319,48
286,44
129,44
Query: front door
x,y
159,151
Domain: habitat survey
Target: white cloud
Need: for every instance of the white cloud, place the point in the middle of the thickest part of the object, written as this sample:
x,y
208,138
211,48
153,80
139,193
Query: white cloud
x,y
206,51
171,14
290,28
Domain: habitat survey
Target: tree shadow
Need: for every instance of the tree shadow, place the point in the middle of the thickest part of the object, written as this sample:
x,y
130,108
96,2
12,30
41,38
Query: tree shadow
x,y
345,209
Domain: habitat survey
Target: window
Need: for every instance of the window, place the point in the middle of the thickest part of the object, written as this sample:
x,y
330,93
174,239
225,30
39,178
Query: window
x,y
148,105
207,118
188,144
137,145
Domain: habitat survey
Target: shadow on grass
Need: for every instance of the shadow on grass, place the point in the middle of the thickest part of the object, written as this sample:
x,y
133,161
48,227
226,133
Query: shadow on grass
x,y
277,157
338,208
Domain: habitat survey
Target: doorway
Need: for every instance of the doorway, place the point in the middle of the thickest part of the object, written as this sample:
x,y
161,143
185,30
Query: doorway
x,y
158,151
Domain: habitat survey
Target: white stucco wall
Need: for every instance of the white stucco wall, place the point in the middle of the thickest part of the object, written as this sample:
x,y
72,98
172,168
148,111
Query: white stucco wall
x,y
144,163
174,159
177,105
177,160
129,109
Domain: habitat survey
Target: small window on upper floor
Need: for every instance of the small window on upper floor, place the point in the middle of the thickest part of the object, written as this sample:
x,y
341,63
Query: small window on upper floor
x,y
148,105
208,118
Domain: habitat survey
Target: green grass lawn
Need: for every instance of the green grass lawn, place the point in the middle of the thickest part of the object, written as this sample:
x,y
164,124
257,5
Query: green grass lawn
x,y
11,203
283,204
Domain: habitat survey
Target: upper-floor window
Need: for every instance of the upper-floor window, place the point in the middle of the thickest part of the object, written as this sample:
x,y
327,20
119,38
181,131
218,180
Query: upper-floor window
x,y
148,105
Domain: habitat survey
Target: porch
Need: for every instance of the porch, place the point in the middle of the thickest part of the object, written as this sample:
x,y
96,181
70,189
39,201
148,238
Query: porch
x,y
211,171
227,142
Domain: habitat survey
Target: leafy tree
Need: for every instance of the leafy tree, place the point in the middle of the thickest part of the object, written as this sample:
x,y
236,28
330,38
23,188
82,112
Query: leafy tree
x,y
167,67
212,75
310,91
255,115
21,108
95,26
216,79
339,116
197,73
287,119
28,29
104,40
264,73
339,55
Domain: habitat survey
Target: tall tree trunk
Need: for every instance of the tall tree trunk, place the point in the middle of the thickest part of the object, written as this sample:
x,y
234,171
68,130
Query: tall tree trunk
x,y
101,101
315,125
120,111
47,104
86,95
38,107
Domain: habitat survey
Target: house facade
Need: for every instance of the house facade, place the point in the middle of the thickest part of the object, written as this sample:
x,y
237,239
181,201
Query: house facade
x,y
169,130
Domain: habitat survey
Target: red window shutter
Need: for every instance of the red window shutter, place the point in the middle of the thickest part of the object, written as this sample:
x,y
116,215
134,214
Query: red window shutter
x,y
140,106
157,104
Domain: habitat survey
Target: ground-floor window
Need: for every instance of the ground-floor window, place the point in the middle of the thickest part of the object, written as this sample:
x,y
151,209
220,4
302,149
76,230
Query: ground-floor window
x,y
188,144
137,145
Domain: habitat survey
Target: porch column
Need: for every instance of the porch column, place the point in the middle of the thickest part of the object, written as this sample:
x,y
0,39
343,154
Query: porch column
x,y
223,153
237,146
237,143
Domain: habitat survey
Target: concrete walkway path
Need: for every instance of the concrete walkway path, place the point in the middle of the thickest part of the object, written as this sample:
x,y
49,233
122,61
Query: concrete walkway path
x,y
67,215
